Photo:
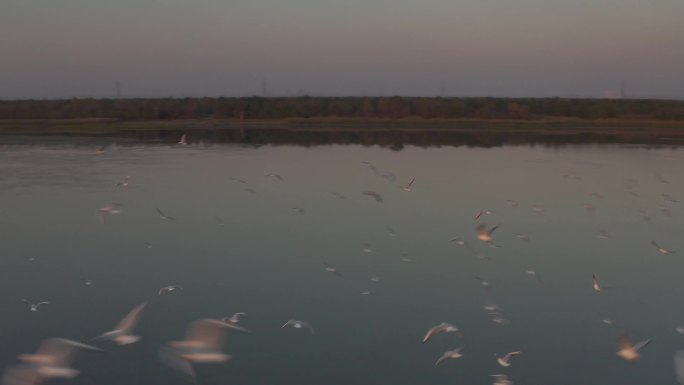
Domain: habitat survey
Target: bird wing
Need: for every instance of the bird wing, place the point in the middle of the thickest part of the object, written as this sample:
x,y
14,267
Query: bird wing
x,y
433,330
169,357
131,319
308,326
208,333
642,344
623,342
161,213
510,355
42,303
411,182
288,323
442,358
494,228
62,350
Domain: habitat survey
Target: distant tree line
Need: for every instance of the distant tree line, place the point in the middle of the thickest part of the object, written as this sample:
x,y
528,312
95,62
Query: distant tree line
x,y
343,107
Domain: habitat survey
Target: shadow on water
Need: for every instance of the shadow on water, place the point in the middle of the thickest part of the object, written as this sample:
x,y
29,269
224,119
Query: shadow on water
x,y
394,139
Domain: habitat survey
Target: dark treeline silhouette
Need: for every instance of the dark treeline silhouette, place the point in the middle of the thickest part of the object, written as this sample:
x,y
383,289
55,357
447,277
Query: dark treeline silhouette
x,y
344,107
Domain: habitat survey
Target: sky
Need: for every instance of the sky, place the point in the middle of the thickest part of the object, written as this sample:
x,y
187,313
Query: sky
x,y
517,48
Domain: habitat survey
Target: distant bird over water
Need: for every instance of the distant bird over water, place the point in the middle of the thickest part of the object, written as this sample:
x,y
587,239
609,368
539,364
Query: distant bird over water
x,y
34,306
168,289
451,354
444,327
297,324
375,195
164,216
660,249
183,140
596,286
407,187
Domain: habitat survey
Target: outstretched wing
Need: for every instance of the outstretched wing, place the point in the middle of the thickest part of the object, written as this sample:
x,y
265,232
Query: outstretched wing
x,y
62,350
131,319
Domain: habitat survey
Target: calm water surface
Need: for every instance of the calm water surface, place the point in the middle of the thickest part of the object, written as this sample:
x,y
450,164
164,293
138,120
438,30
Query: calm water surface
x,y
266,259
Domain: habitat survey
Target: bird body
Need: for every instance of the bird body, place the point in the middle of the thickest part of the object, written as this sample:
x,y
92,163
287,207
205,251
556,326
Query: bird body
x,y
444,327
628,351
451,354
504,361
122,332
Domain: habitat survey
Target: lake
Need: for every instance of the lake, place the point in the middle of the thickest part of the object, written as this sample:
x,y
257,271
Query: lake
x,y
255,226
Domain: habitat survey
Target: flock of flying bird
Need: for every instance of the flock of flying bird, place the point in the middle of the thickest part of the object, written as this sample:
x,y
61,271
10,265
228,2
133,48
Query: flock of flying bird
x,y
205,338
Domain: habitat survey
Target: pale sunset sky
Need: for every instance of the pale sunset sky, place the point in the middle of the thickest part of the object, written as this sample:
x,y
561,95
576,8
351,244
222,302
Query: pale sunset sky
x,y
159,48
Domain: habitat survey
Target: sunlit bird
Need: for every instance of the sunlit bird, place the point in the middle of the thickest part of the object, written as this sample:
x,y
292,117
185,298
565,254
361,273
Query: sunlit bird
x,y
332,269
407,187
444,327
451,354
52,360
122,333
183,140
483,212
34,306
505,360
484,234
123,183
274,175
630,352
235,318
297,324
596,286
501,379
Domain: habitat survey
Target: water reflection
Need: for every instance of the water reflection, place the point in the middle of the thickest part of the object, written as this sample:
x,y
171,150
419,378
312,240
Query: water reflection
x,y
290,233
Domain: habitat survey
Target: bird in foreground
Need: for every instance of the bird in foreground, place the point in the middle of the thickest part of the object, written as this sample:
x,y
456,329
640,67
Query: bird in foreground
x,y
122,333
481,212
630,352
183,140
52,360
168,289
501,379
596,285
456,353
661,250
34,306
164,216
332,269
203,343
504,361
407,187
375,195
297,324
484,234
444,327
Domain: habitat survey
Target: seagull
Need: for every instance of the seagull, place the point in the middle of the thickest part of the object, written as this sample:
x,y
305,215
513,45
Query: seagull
x,y
165,217
367,248
603,234
183,141
124,183
591,209
371,166
203,342
444,327
251,191
407,188
511,203
484,234
391,231
483,281
596,286
501,379
479,213
662,250
52,360
335,193
669,198
606,320
630,352
538,209
148,245
389,176
109,208
680,329
34,307
522,237
297,324
367,292
122,333
498,319
375,195
274,175
376,279
299,210
87,282
450,354
503,361
660,178
168,289
534,274
332,269
238,180
235,318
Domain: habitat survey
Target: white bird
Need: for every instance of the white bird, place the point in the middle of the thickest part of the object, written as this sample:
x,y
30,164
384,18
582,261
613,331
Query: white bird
x,y
604,234
297,324
504,361
124,183
407,188
538,209
34,306
660,249
52,360
108,209
183,140
444,327
481,212
534,274
332,269
168,289
164,216
596,286
274,175
375,195
235,318
204,340
122,333
484,234
522,237
627,351
450,354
